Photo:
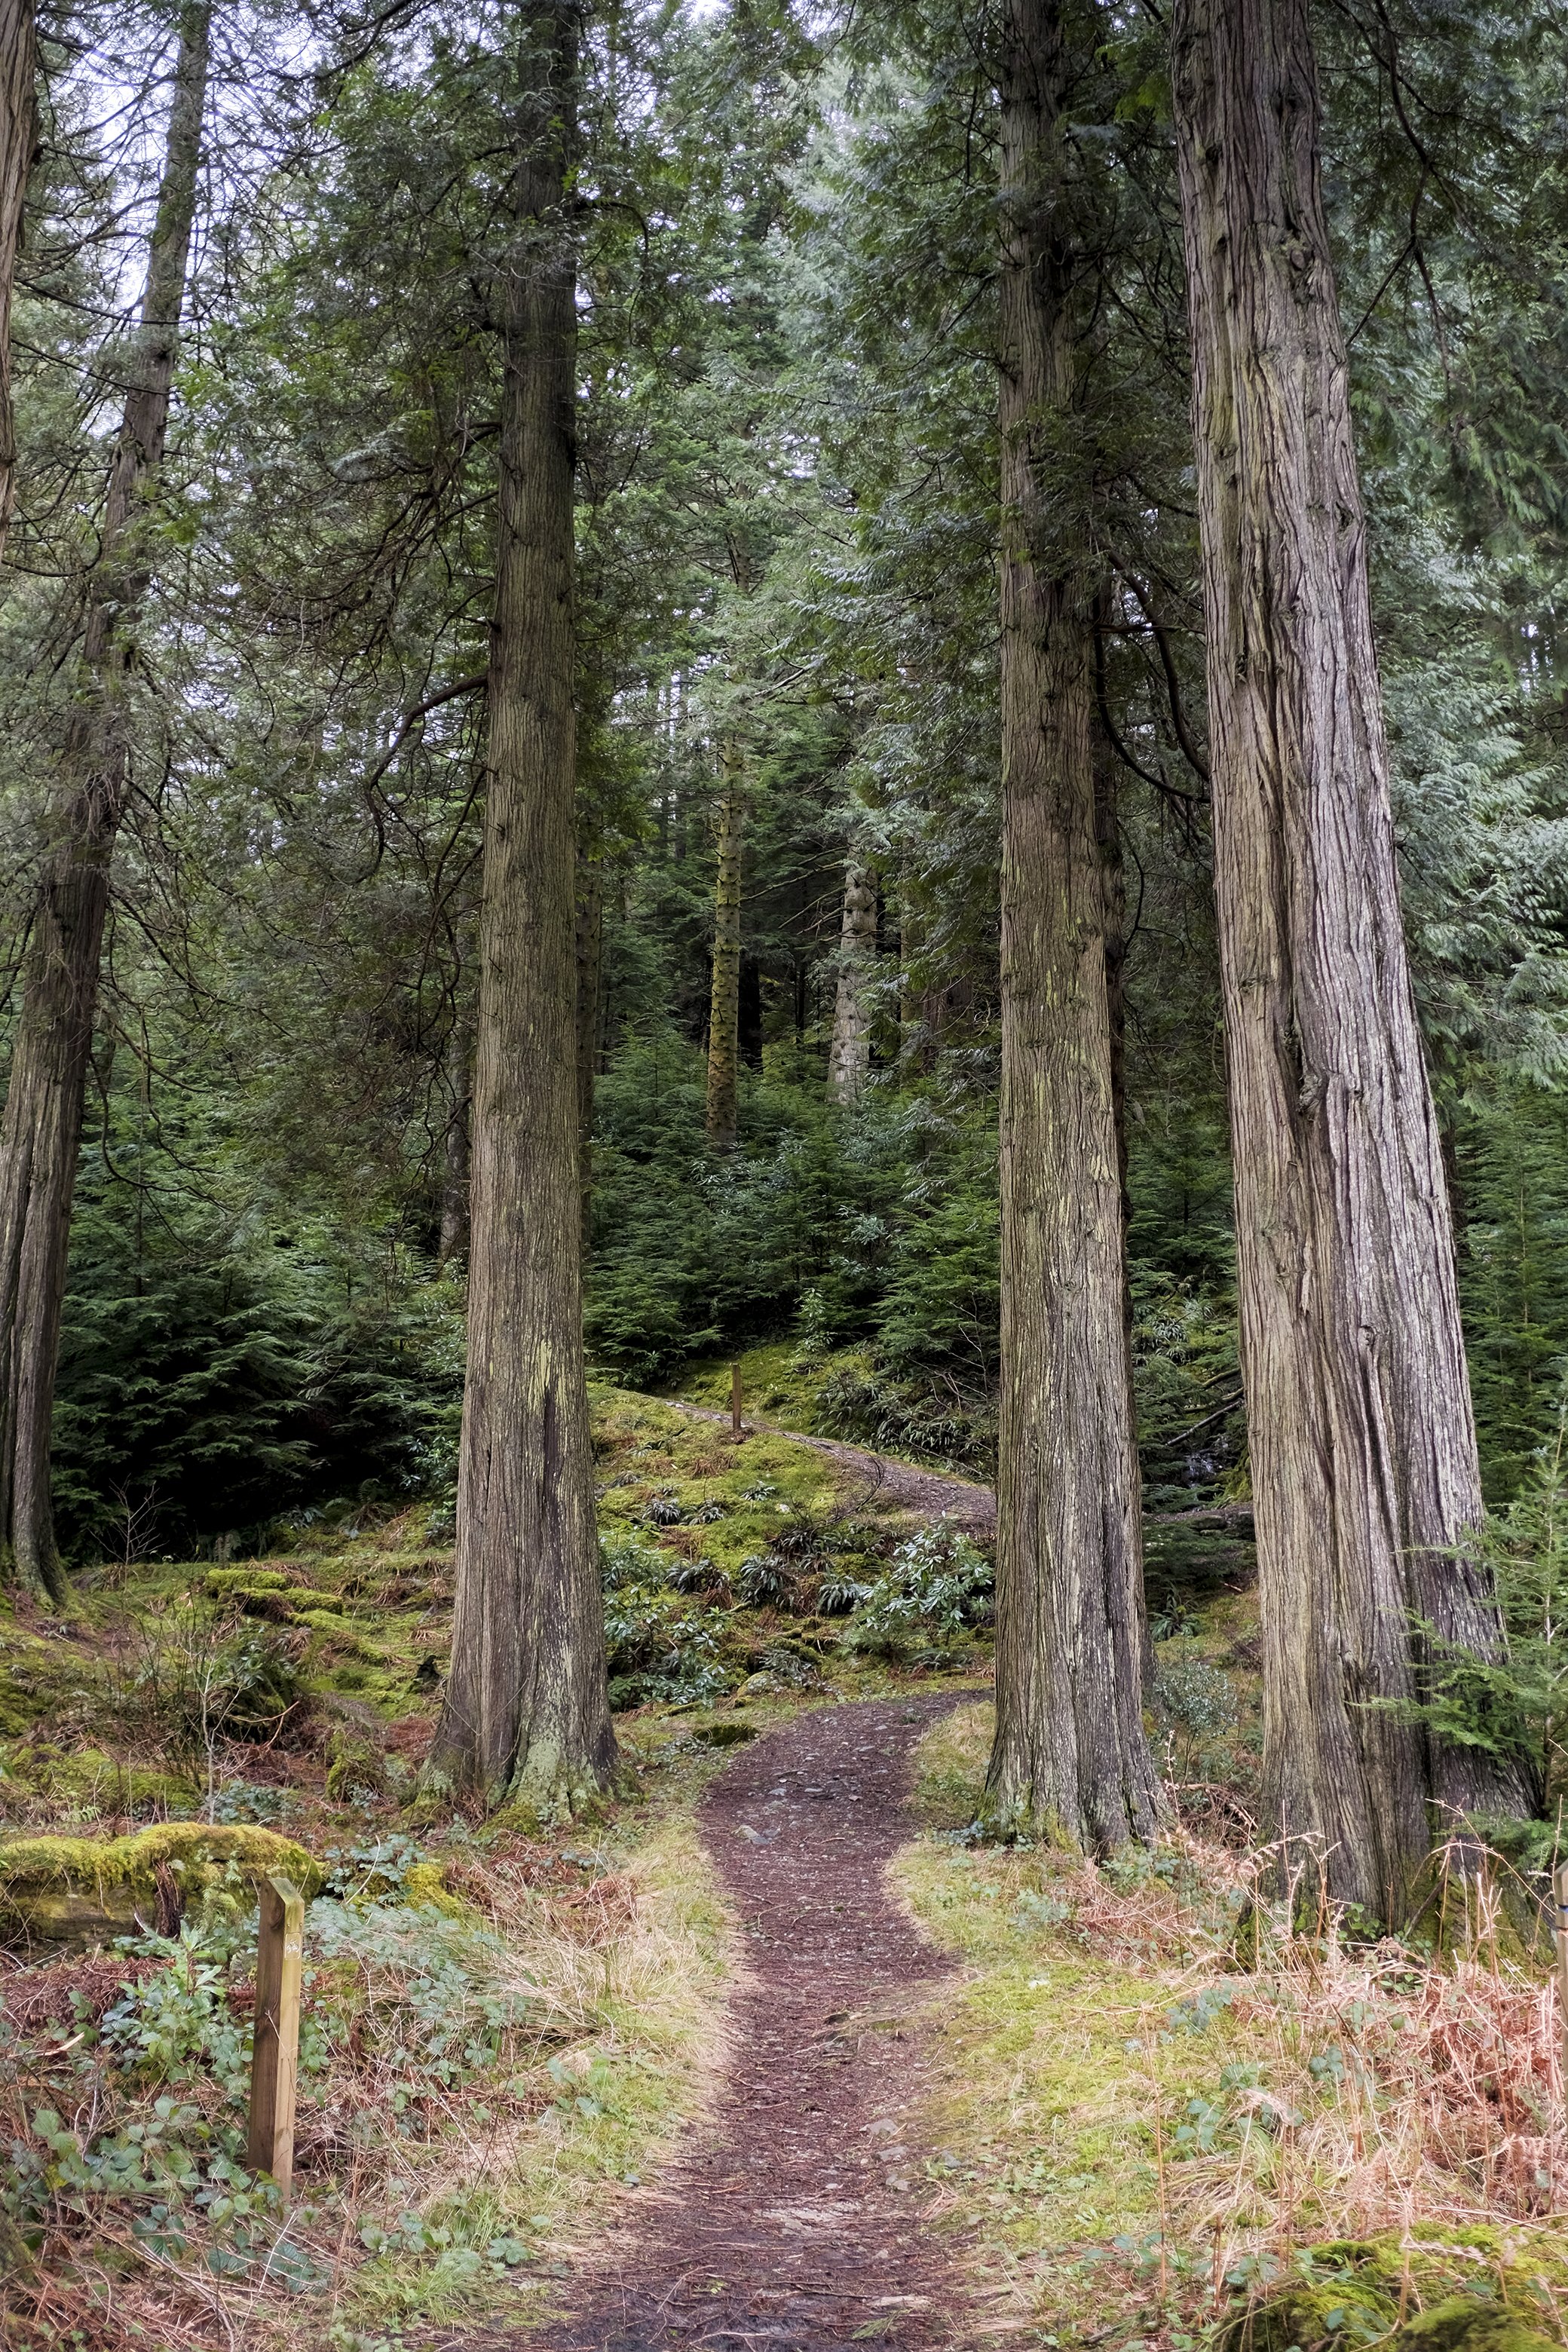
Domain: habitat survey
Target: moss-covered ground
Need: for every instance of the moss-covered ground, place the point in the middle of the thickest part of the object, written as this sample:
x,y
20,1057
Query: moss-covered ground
x,y
1165,2111
502,2030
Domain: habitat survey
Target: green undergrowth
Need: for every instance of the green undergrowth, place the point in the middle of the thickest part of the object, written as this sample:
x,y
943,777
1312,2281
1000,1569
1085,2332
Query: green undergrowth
x,y
1143,2140
500,2035
756,1564
780,1381
803,1384
501,2030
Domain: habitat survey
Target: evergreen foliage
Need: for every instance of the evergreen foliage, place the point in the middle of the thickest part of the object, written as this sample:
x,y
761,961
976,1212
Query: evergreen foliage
x,y
787,521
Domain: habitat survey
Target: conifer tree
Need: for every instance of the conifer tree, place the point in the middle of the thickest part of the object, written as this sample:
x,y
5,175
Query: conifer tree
x,y
1362,1443
723,1106
42,1123
1070,1748
18,117
526,1715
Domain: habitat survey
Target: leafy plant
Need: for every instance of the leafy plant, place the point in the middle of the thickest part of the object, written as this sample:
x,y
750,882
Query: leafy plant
x,y
1516,1706
936,1584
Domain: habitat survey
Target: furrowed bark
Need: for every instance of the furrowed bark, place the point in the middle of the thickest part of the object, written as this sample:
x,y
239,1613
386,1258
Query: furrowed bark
x,y
453,1243
850,1057
1070,1752
590,949
41,1129
725,1009
18,142
526,1716
1363,1449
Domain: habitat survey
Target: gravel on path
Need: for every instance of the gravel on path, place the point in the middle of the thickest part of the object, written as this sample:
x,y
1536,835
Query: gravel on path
x,y
798,2221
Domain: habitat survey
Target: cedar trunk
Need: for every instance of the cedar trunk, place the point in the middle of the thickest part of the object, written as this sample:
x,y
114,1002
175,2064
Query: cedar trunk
x,y
527,1713
1071,1750
725,1008
18,137
590,953
849,1059
453,1245
42,1126
1363,1449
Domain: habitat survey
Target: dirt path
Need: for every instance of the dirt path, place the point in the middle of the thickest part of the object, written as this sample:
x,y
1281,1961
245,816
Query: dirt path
x,y
937,1493
797,2222
933,1493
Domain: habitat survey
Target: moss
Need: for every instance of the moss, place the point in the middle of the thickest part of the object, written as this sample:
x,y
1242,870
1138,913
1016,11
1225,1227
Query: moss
x,y
1345,2312
17,1710
218,1581
1353,2290
1355,2311
88,1890
724,1735
266,1593
1465,2325
424,1888
335,1628
354,1764
91,1776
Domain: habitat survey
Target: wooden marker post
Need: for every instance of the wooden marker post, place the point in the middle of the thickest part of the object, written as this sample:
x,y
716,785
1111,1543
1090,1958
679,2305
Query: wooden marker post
x,y
734,1400
274,2067
1561,1893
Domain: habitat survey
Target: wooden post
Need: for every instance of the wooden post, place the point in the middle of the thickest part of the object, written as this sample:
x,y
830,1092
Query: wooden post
x,y
1561,1892
279,1963
734,1400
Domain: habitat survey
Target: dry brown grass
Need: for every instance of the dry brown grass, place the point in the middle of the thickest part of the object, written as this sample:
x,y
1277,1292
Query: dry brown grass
x,y
614,1984
1162,2086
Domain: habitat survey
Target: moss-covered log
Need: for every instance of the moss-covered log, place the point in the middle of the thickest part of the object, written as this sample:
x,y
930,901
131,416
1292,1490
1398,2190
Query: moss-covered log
x,y
78,1892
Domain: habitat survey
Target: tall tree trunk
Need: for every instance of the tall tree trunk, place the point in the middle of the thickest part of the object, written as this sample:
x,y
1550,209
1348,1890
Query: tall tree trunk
x,y
453,1243
1108,840
748,1014
527,1711
849,1058
590,952
911,941
41,1129
1363,1449
725,1008
1070,1750
18,139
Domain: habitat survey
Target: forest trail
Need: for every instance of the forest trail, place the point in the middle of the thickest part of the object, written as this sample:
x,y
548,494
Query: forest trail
x,y
799,2218
934,1492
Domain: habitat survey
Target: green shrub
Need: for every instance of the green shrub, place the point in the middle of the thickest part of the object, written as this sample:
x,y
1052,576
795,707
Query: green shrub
x,y
935,1589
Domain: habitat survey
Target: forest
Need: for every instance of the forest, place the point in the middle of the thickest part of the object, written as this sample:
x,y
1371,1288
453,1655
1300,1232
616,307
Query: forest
x,y
783,1180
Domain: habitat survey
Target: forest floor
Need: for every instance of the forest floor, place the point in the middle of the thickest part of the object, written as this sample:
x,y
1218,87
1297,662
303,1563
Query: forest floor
x,y
574,2086
881,1480
798,2216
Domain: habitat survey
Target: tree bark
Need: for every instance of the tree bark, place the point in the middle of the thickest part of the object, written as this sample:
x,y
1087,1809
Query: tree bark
x,y
850,1057
453,1243
1364,1450
1070,1752
41,1129
590,953
725,1008
527,1716
18,140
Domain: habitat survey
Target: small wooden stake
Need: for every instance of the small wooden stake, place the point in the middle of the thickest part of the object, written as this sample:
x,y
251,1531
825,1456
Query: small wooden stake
x,y
279,1963
734,1400
1562,1891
